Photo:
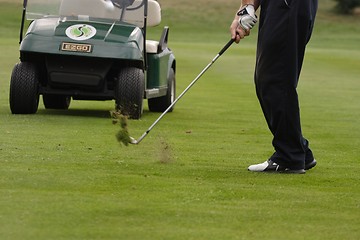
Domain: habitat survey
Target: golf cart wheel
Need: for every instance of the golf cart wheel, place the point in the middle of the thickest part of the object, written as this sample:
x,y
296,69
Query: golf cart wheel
x,y
56,101
129,92
160,104
24,89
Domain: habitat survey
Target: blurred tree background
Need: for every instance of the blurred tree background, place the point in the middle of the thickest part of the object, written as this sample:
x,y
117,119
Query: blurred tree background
x,y
347,6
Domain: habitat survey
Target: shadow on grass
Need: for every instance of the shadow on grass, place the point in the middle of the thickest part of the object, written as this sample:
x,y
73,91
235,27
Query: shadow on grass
x,y
95,113
78,112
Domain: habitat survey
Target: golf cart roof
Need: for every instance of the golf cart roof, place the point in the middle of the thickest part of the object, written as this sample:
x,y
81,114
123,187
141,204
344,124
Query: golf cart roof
x,y
129,11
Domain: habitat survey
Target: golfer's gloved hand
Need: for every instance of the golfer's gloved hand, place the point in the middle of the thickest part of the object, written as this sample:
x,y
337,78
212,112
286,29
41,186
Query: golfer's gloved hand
x,y
247,17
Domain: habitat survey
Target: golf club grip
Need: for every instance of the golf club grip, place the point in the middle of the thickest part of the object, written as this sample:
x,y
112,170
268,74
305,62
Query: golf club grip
x,y
226,46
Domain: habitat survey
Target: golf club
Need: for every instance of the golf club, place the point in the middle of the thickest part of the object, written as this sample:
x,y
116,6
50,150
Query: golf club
x,y
134,141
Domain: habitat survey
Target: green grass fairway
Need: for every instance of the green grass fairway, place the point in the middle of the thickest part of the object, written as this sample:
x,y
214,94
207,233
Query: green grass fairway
x,y
64,176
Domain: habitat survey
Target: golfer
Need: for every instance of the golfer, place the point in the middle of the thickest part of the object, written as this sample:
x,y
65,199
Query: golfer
x,y
285,27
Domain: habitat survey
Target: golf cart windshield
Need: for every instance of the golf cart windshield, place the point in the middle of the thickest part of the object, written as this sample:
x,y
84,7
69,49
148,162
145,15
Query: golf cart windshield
x,y
129,11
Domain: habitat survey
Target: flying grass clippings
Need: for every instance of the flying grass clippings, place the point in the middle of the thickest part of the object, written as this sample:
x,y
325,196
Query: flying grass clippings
x,y
122,135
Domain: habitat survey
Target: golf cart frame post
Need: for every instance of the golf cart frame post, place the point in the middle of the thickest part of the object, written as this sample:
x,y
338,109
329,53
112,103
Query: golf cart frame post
x,y
23,21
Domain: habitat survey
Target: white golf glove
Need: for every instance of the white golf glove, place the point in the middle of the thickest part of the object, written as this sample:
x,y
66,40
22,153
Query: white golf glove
x,y
247,17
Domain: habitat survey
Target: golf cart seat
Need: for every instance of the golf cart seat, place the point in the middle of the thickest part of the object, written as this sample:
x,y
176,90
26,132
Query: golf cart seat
x,y
158,46
152,46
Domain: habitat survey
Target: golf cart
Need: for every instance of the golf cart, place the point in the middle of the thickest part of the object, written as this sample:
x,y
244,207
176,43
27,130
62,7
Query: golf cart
x,y
92,50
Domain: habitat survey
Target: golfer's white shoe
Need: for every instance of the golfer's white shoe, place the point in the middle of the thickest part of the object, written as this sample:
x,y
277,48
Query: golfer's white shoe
x,y
271,166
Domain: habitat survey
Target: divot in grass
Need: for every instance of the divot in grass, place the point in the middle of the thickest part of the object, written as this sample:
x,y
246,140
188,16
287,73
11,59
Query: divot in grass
x,y
165,152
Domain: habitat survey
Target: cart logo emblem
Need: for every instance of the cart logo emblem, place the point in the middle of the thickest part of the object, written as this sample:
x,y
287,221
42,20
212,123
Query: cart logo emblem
x,y
80,32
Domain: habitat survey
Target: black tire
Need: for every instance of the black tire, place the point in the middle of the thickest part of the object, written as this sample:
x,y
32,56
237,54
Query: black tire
x,y
160,104
24,89
129,92
56,101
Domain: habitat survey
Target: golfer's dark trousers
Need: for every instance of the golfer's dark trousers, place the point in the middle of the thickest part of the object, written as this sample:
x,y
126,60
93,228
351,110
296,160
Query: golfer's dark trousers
x,y
285,28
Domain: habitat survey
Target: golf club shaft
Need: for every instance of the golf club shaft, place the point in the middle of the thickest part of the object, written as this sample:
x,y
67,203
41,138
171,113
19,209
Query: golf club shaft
x,y
186,89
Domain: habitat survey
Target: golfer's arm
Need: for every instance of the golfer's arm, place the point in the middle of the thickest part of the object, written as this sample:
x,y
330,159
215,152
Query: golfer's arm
x,y
256,3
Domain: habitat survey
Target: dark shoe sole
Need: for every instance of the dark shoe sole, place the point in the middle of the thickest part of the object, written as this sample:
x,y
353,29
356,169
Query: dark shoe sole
x,y
310,165
286,171
290,171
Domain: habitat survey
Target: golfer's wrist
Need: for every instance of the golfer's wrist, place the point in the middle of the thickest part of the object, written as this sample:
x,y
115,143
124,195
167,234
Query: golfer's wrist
x,y
245,5
255,3
247,2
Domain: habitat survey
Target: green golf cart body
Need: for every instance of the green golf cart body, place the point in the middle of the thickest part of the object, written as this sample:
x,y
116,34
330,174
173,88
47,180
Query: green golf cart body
x,y
93,50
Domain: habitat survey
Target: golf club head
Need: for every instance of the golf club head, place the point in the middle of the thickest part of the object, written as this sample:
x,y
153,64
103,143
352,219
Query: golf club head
x,y
133,141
